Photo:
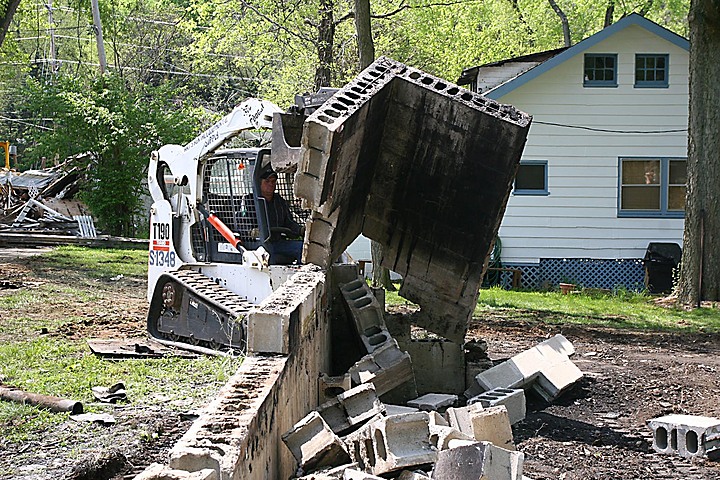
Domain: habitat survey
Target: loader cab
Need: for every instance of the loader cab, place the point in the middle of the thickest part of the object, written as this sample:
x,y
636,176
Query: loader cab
x,y
231,186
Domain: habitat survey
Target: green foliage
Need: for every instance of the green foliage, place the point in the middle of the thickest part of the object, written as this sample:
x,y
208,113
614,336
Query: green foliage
x,y
118,125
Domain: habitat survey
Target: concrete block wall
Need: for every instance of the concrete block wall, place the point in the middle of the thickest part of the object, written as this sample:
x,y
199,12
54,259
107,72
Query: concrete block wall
x,y
367,313
405,158
238,435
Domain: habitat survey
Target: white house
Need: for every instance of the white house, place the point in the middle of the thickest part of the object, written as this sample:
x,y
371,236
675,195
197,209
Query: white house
x,y
604,169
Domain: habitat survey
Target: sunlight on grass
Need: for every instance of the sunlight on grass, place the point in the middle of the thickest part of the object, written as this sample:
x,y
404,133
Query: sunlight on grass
x,y
621,309
97,262
69,370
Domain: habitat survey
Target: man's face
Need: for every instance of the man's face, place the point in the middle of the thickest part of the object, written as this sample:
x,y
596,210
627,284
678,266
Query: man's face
x,y
267,186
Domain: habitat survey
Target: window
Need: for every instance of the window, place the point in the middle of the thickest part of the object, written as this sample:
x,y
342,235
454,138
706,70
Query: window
x,y
651,70
600,70
652,187
531,178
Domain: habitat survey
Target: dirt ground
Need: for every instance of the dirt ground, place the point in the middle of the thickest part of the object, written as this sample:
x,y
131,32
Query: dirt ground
x,y
595,431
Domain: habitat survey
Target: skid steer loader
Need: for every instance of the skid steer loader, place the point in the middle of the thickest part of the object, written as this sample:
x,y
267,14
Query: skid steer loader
x,y
208,261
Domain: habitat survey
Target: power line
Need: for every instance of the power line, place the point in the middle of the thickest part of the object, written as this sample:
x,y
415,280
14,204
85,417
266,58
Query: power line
x,y
24,122
606,130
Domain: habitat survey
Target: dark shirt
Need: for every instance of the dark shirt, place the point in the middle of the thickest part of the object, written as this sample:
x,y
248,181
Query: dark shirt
x,y
278,214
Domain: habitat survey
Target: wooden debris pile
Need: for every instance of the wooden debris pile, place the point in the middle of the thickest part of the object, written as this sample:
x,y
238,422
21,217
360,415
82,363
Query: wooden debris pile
x,y
43,201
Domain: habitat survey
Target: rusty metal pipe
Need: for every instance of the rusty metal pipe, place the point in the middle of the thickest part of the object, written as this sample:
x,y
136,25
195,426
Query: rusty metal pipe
x,y
54,404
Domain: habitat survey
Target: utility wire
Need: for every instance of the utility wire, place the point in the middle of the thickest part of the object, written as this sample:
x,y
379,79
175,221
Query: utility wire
x,y
606,130
23,122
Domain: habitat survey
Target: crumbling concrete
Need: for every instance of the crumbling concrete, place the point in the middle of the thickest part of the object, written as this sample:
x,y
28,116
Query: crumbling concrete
x,y
512,399
314,444
330,387
387,367
478,461
273,326
398,156
686,435
401,441
438,357
352,408
238,434
162,472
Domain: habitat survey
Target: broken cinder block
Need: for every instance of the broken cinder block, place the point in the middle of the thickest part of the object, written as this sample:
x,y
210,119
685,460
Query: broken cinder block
x,y
367,313
686,435
491,424
480,461
162,472
512,398
401,441
314,444
351,408
387,368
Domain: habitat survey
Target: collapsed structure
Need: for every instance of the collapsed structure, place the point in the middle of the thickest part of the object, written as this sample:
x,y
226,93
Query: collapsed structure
x,y
422,167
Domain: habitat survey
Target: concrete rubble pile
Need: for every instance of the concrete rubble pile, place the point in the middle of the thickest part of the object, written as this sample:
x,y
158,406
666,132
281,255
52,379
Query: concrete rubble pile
x,y
356,435
43,201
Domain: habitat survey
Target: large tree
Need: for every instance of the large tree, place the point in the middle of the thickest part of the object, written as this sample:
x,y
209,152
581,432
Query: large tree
x,y
700,271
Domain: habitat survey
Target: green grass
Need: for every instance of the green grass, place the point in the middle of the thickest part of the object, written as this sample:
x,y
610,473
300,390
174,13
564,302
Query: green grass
x,y
95,263
620,309
71,285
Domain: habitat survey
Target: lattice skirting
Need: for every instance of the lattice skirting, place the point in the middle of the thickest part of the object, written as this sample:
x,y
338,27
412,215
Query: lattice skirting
x,y
585,272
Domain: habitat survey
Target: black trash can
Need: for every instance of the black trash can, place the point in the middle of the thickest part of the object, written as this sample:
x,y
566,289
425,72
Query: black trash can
x,y
660,261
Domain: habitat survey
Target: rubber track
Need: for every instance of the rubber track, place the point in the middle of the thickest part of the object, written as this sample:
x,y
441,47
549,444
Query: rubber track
x,y
216,295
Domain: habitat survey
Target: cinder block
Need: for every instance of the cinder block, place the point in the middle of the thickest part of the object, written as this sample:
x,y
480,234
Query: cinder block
x,y
553,380
314,444
442,436
503,375
161,472
512,398
686,435
330,387
387,368
359,445
433,401
438,357
401,441
268,326
351,408
367,314
490,425
480,461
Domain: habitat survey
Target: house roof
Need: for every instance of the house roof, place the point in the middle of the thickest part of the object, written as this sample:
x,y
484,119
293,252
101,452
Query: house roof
x,y
470,74
563,55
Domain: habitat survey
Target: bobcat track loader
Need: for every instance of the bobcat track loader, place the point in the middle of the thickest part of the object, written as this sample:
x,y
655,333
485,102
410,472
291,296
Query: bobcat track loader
x,y
208,261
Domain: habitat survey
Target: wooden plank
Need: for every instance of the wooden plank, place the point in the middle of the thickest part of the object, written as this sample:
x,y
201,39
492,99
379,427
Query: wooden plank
x,y
103,241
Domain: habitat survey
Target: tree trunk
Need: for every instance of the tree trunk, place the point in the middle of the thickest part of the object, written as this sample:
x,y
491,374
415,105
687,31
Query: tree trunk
x,y
700,271
7,18
326,38
366,46
366,52
564,21
609,13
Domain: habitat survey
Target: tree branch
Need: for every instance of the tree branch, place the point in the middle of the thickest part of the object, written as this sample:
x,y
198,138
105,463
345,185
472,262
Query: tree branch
x,y
277,25
429,5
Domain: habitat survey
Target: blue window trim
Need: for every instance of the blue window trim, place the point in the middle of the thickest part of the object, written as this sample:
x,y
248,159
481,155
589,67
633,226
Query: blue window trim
x,y
664,184
601,83
529,191
653,84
